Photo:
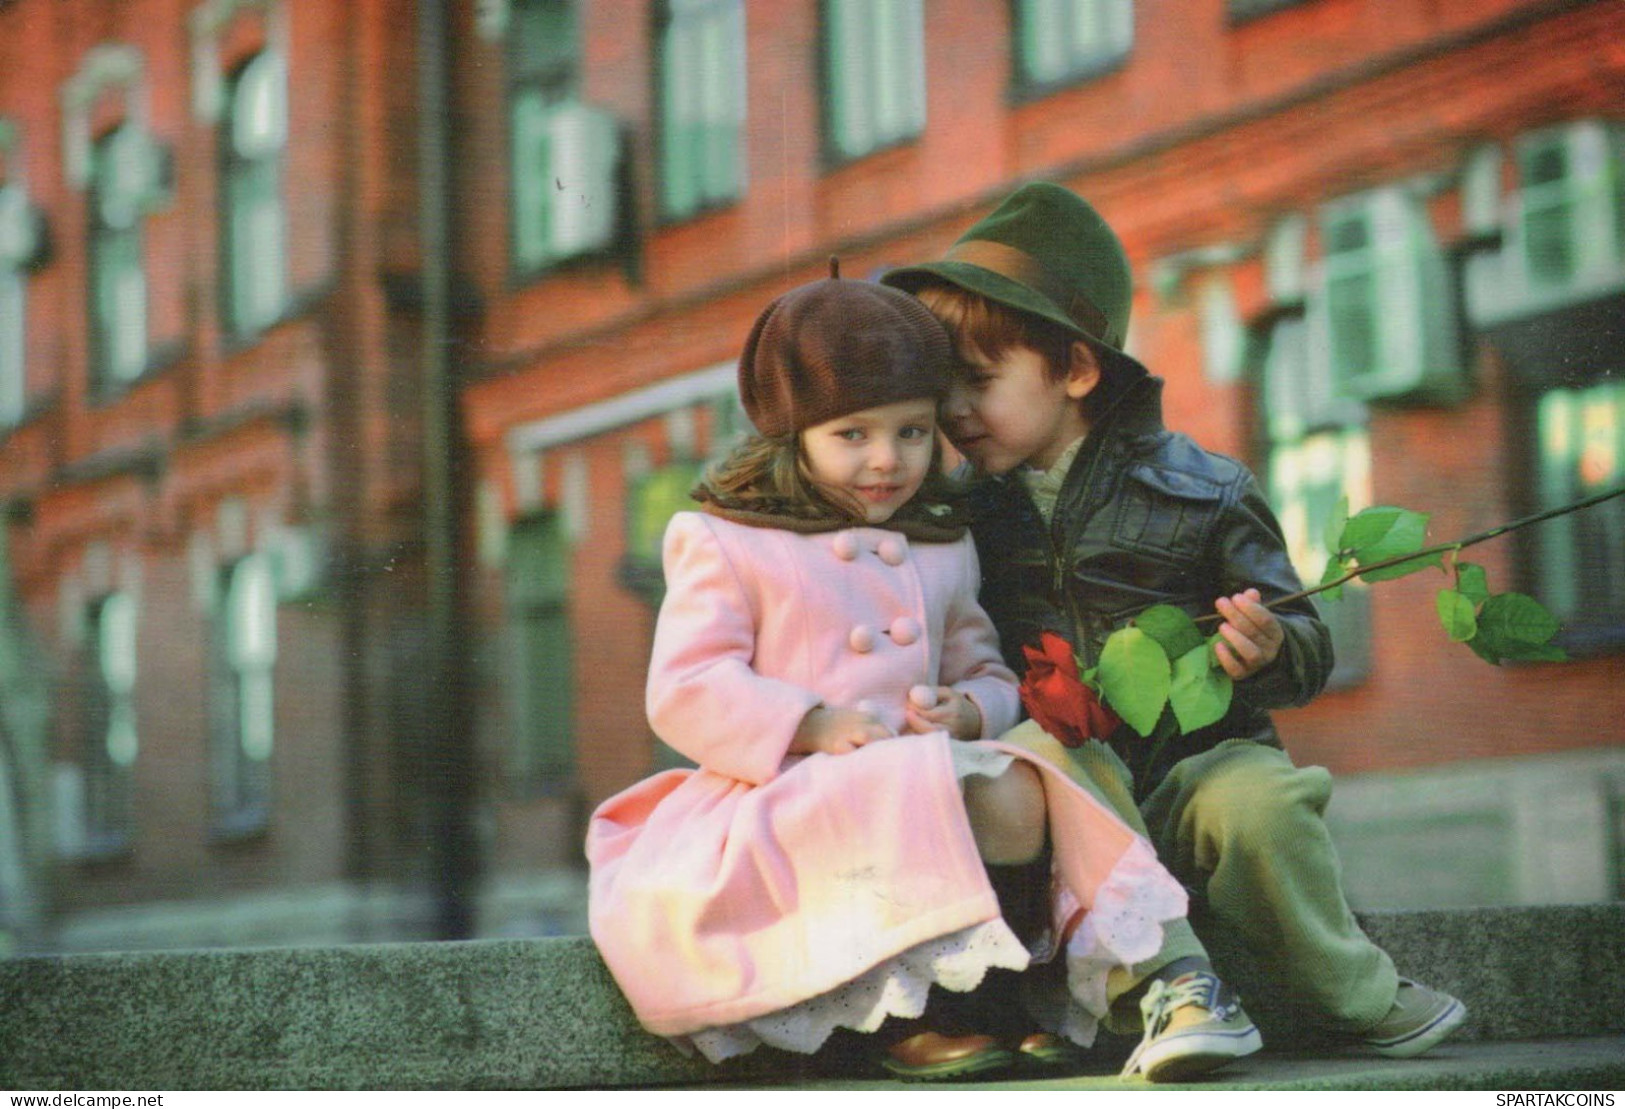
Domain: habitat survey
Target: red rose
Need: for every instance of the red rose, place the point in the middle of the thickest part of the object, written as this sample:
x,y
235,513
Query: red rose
x,y
1057,699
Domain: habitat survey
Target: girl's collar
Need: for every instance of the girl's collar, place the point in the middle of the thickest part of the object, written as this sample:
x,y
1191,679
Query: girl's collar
x,y
918,521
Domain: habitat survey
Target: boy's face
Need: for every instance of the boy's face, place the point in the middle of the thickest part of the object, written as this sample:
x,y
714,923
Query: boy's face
x,y
877,457
1010,411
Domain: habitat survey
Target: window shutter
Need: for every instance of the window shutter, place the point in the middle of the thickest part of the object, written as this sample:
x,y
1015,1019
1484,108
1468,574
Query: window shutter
x,y
584,148
1571,206
20,235
116,655
13,348
1387,304
532,184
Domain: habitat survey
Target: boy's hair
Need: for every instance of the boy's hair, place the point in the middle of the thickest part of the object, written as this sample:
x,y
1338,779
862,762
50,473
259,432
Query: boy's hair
x,y
766,474
989,329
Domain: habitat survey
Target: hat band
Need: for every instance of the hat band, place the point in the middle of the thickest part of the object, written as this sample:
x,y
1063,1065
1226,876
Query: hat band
x,y
1024,269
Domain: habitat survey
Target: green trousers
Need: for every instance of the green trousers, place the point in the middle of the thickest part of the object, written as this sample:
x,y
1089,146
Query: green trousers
x,y
1244,831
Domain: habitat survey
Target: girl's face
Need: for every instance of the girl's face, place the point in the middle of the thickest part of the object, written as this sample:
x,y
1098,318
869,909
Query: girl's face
x,y
876,457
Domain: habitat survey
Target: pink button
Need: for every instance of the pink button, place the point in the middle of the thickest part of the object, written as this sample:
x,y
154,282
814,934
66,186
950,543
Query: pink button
x,y
846,546
891,551
862,639
904,630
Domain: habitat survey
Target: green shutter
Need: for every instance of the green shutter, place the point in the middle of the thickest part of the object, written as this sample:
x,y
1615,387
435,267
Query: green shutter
x,y
702,105
544,680
13,346
875,73
255,223
1387,303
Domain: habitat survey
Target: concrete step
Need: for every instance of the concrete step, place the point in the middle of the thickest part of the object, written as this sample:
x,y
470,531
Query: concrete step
x,y
545,1014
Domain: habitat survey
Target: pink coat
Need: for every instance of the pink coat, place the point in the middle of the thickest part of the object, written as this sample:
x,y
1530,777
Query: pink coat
x,y
763,878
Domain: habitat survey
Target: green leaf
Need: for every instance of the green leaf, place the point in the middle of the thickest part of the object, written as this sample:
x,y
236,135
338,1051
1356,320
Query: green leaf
x,y
1134,677
1334,570
1514,627
1368,527
1484,649
1405,531
1171,627
1457,615
1517,618
1200,692
1536,652
1472,582
1400,569
1334,526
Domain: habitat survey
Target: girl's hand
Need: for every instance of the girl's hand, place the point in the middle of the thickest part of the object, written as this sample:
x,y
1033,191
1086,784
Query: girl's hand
x,y
835,731
953,713
1251,633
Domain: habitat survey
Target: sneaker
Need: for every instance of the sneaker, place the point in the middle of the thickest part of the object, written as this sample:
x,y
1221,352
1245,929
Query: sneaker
x,y
1193,1024
1419,1019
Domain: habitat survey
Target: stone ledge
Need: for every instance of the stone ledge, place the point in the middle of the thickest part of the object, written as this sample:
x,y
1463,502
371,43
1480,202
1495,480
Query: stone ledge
x,y
545,1014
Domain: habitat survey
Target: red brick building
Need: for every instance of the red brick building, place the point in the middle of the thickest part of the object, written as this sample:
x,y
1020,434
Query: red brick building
x,y
1380,250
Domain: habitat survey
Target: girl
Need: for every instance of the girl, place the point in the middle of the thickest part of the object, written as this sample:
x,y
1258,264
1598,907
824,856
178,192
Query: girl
x,y
821,656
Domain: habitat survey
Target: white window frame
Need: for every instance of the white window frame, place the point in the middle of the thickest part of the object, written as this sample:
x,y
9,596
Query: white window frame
x,y
1588,198
1060,41
874,75
564,159
702,105
1413,334
1579,447
123,182
245,715
17,248
253,210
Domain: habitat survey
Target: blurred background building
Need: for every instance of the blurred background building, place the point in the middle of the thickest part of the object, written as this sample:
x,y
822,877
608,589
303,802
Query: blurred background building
x,y
354,354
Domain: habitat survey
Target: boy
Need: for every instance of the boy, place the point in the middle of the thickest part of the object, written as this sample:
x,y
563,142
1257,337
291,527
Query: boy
x,y
1092,511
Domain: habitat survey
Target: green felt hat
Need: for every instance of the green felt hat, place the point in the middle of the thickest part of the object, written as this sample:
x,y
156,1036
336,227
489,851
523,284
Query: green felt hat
x,y
1046,251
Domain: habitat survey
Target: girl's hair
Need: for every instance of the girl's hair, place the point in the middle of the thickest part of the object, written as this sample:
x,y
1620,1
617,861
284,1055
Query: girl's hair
x,y
767,474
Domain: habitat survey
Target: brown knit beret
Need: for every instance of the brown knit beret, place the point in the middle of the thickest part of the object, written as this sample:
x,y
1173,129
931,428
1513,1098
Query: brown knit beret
x,y
836,346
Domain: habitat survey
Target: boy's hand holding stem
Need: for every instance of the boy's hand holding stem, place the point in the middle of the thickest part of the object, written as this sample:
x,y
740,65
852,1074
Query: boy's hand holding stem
x,y
1251,634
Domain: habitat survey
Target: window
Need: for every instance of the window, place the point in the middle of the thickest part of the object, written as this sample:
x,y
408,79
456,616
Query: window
x,y
17,232
1385,314
651,502
702,104
122,176
1315,444
1063,40
1579,558
102,709
242,708
1571,218
1307,479
543,677
254,225
565,154
874,74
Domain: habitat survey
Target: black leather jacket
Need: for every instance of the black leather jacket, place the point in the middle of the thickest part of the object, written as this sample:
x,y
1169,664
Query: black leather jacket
x,y
1146,516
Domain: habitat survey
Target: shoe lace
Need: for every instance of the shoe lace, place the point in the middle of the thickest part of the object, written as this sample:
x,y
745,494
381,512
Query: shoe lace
x,y
1162,1000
